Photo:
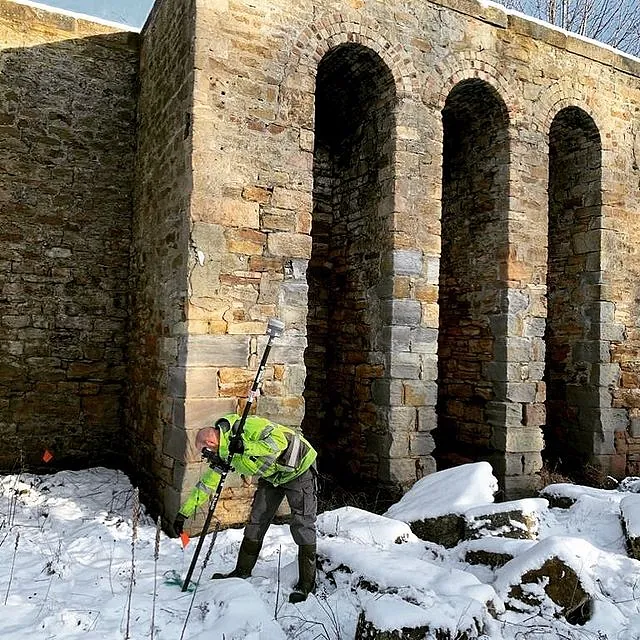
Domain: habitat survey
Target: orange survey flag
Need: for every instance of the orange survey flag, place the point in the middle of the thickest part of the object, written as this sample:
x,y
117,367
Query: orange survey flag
x,y
184,537
47,456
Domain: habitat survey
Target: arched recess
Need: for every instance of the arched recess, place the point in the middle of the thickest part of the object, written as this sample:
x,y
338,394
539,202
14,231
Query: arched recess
x,y
575,349
473,302
352,213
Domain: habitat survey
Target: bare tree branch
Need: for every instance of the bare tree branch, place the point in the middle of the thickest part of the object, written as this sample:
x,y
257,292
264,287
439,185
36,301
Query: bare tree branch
x,y
613,22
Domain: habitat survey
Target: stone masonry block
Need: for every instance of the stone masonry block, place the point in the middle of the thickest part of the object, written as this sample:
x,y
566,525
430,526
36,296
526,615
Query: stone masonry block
x,y
605,374
433,270
611,331
296,269
269,289
523,463
404,365
535,414
202,412
601,310
292,200
421,444
407,262
518,439
396,444
586,241
403,312
294,294
513,349
514,371
387,392
294,379
420,393
518,301
193,382
424,340
502,414
401,419
288,349
396,338
534,327
588,396
427,419
231,212
285,410
222,351
613,420
591,351
429,366
400,471
521,392
175,444
291,245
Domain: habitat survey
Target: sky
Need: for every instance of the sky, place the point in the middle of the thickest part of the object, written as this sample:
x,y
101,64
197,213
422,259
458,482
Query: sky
x,y
80,561
129,12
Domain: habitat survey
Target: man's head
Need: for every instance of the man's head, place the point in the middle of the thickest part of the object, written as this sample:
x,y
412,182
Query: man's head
x,y
208,438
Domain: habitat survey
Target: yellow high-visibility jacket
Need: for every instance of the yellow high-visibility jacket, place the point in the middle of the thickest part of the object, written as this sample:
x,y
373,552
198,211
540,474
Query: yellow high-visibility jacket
x,y
271,451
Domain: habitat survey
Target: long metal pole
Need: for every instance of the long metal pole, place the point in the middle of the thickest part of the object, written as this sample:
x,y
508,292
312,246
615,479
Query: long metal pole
x,y
274,330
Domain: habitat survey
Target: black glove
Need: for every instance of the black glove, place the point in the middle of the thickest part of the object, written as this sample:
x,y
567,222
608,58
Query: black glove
x,y
212,457
236,445
178,524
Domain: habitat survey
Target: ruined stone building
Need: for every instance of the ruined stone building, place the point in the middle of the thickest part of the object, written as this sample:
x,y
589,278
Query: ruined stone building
x,y
437,197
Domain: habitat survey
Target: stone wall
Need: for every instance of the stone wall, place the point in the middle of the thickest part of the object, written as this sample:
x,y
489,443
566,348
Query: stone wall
x,y
67,137
437,198
161,250
458,177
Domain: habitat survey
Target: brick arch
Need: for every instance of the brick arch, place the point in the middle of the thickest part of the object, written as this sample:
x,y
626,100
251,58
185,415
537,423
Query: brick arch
x,y
470,65
332,30
558,97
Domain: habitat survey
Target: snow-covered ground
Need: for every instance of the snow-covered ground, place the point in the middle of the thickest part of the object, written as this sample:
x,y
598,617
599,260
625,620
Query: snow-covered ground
x,y
75,566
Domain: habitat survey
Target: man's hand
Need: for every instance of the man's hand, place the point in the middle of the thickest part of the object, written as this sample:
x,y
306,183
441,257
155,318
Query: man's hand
x,y
236,445
178,524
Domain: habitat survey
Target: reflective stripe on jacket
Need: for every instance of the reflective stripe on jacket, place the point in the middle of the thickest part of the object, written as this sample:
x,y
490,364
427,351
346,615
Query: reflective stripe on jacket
x,y
268,452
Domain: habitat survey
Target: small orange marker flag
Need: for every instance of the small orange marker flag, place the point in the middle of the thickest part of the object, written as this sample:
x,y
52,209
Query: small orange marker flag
x,y
47,456
184,537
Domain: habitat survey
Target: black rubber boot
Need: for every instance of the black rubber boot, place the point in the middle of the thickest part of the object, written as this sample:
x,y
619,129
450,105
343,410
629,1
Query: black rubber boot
x,y
306,573
247,558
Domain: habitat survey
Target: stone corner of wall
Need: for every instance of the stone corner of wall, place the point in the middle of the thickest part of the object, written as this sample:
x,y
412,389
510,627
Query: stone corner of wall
x,y
49,21
602,53
487,13
571,43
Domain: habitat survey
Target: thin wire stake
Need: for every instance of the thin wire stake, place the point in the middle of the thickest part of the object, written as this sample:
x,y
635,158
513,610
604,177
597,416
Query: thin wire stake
x,y
13,564
214,535
275,613
134,535
156,554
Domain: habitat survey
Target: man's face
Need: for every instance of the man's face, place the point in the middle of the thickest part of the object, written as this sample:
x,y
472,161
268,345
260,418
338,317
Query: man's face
x,y
209,438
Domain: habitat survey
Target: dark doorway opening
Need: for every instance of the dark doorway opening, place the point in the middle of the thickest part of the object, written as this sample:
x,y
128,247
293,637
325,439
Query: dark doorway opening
x,y
353,196
475,188
574,349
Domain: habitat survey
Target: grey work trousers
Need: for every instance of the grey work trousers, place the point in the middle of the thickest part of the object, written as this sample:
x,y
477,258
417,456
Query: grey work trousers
x,y
301,494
